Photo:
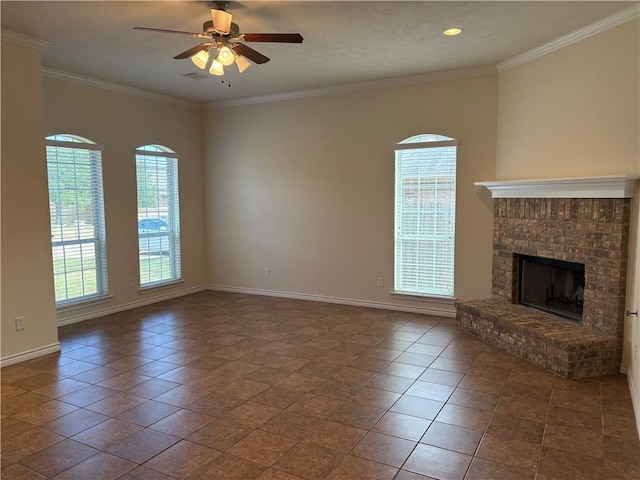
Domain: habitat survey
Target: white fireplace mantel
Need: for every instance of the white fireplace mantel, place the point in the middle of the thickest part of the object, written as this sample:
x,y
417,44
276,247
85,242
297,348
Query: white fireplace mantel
x,y
611,186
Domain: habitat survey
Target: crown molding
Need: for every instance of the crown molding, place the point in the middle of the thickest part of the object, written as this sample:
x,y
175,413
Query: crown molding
x,y
573,37
116,87
609,186
356,87
23,40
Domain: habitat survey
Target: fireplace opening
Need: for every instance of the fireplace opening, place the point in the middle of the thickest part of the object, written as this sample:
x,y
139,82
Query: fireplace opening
x,y
553,286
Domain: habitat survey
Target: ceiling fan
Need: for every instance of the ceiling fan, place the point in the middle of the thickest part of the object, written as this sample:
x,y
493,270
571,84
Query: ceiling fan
x,y
223,45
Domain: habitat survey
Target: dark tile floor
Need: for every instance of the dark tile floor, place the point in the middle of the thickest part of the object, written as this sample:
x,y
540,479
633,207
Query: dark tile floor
x,y
228,386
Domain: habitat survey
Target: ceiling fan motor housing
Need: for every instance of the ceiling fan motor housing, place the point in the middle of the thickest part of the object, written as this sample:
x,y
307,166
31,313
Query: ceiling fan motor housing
x,y
207,27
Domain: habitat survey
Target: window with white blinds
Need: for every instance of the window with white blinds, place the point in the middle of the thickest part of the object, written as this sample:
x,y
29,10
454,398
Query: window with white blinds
x,y
74,168
425,212
158,215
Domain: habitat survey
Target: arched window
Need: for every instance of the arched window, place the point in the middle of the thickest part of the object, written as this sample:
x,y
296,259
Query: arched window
x,y
425,208
158,215
74,167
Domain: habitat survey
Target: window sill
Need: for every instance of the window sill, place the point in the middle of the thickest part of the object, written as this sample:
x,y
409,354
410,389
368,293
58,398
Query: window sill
x,y
425,296
154,287
97,300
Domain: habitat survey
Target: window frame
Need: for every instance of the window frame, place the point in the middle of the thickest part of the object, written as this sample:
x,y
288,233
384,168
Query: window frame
x,y
147,153
77,142
401,284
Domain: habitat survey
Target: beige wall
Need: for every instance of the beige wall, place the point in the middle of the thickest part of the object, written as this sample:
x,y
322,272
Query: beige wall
x,y
305,187
632,324
27,270
120,123
573,112
33,107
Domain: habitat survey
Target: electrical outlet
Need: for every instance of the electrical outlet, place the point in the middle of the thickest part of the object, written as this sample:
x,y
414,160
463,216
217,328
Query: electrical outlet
x,y
381,281
131,283
267,272
19,323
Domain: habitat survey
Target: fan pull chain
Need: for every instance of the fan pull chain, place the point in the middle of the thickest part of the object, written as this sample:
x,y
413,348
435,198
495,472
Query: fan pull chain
x,y
225,76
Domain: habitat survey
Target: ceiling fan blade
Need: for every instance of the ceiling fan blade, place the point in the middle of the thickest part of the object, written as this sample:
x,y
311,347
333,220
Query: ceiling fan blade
x,y
193,50
272,37
250,53
180,32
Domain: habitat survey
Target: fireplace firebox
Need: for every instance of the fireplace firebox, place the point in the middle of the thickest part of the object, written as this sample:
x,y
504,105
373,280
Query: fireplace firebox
x,y
550,285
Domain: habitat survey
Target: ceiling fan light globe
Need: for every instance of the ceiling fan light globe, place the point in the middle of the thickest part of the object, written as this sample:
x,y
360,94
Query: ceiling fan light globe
x,y
200,59
216,68
225,56
242,63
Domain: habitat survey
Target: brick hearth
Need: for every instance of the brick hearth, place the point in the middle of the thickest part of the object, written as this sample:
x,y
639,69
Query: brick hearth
x,y
592,231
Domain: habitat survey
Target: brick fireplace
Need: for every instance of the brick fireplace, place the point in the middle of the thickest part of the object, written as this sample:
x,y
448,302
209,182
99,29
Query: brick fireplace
x,y
585,221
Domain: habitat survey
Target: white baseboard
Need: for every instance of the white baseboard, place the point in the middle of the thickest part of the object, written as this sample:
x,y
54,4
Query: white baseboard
x,y
435,308
129,306
438,310
29,354
635,400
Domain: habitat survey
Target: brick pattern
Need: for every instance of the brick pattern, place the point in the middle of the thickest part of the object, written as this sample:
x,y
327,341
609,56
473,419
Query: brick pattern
x,y
559,345
592,231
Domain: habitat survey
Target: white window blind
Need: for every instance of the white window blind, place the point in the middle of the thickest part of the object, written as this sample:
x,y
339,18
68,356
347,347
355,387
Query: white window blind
x,y
158,215
74,168
425,206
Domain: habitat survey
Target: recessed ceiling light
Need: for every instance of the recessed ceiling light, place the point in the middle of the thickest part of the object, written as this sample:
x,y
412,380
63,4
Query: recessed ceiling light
x,y
452,31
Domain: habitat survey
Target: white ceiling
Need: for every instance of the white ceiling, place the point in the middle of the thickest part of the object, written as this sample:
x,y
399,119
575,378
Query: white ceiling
x,y
344,42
